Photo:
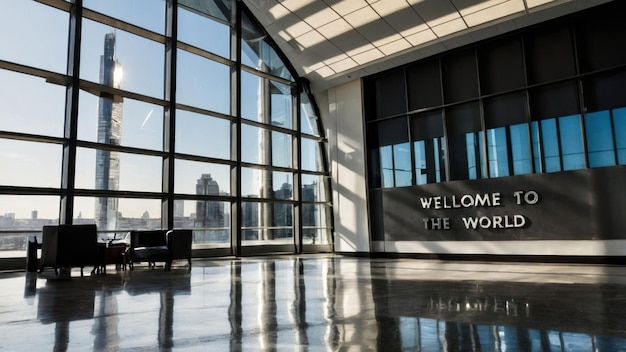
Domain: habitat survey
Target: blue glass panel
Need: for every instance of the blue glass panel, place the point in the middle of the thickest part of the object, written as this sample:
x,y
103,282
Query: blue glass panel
x,y
470,146
600,148
481,156
535,140
421,178
571,142
402,164
520,149
386,166
497,149
550,145
619,126
438,144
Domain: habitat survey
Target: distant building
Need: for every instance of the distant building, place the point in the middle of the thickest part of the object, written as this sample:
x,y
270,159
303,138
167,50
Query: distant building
x,y
209,214
109,132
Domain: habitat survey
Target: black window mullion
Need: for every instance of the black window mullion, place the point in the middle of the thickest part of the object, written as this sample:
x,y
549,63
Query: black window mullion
x,y
235,83
169,118
71,115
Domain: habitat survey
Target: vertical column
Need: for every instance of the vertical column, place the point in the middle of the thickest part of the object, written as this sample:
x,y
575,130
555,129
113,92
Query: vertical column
x,y
235,171
169,118
71,114
297,163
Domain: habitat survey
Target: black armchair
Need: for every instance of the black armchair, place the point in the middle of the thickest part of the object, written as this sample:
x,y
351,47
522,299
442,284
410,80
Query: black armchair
x,y
179,244
148,246
67,246
159,246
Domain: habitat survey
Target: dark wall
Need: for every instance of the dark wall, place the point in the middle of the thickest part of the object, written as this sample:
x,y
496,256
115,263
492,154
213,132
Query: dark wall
x,y
577,205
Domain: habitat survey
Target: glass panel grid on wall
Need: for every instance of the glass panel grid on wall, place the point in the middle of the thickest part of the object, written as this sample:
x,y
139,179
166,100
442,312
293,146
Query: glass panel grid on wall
x,y
110,142
512,105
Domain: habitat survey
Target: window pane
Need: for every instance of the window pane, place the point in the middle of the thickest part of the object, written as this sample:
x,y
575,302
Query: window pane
x,y
202,83
118,213
109,170
315,215
128,122
193,177
497,149
280,108
266,184
265,147
550,145
24,213
265,101
571,142
308,117
257,53
600,148
219,9
619,125
203,32
119,59
209,219
386,166
20,114
311,158
281,150
202,135
421,177
535,136
28,212
34,34
267,223
475,163
427,133
24,164
148,14
314,188
252,97
252,145
520,149
402,164
465,142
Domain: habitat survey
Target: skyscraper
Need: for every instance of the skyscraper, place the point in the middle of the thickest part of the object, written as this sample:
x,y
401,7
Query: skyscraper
x,y
109,132
209,213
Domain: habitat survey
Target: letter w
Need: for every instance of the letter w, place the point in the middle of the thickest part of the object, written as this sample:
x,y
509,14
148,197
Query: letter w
x,y
426,202
470,223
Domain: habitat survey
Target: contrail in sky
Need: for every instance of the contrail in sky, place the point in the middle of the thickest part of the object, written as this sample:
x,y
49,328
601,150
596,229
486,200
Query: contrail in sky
x,y
146,119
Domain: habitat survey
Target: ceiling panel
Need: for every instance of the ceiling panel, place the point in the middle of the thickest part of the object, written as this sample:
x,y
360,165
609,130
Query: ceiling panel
x,y
332,41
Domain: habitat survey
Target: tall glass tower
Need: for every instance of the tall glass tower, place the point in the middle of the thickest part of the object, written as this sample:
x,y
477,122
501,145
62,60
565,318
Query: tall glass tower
x,y
109,132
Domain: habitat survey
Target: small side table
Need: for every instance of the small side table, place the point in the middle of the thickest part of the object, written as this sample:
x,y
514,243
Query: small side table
x,y
110,254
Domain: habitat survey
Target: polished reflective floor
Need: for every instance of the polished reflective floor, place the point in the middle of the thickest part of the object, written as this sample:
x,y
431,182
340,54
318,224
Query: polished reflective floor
x,y
318,303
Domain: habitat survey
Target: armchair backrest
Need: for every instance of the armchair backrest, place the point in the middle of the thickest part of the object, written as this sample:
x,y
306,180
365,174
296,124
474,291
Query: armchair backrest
x,y
147,238
179,243
69,245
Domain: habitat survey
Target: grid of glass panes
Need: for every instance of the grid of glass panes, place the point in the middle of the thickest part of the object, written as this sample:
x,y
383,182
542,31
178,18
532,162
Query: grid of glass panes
x,y
545,99
116,129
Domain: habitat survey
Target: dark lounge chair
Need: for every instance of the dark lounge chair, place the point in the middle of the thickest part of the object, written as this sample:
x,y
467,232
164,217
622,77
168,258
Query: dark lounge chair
x,y
68,246
153,246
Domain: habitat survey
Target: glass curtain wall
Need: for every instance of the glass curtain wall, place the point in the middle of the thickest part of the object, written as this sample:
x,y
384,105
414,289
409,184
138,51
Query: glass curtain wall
x,y
541,100
156,114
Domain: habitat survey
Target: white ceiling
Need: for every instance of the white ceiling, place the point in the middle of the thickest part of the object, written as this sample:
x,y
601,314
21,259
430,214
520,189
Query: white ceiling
x,y
334,41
